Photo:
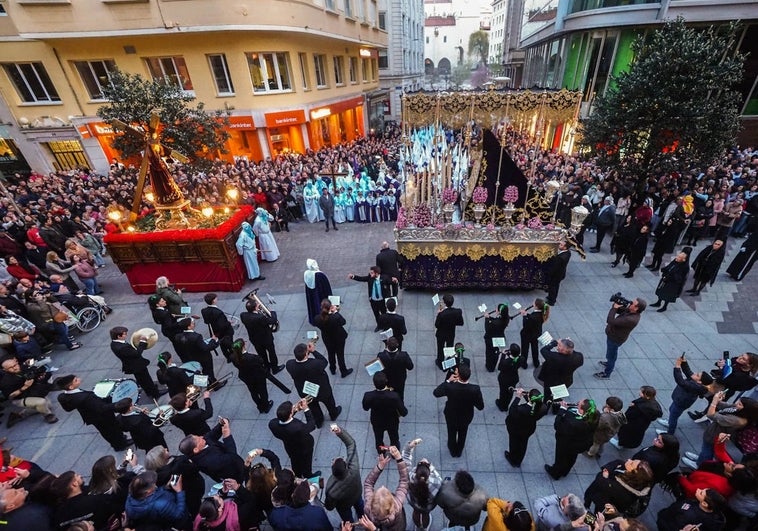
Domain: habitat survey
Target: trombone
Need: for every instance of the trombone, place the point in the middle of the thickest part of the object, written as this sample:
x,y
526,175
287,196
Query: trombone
x,y
160,415
194,392
253,296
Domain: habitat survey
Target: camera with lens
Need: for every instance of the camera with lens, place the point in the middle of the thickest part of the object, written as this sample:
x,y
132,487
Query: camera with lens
x,y
618,298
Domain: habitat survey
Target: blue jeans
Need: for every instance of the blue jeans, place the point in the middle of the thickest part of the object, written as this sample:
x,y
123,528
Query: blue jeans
x,y
675,411
706,453
346,513
611,354
90,285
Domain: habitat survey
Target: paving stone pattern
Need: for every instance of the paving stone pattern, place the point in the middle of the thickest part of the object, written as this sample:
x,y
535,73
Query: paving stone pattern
x,y
702,327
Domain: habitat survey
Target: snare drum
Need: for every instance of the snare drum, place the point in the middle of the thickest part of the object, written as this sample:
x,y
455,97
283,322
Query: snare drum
x,y
117,389
192,368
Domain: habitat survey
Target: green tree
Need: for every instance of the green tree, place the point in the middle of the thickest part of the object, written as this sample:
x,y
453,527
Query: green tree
x,y
192,131
479,46
675,108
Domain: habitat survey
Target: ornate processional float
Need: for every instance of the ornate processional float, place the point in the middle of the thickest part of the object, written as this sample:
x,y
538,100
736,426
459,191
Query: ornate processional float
x,y
471,216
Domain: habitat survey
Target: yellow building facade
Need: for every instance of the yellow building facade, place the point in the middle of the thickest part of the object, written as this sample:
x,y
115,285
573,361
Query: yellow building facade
x,y
291,74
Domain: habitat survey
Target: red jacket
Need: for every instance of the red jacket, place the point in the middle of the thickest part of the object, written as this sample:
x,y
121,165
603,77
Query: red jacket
x,y
700,479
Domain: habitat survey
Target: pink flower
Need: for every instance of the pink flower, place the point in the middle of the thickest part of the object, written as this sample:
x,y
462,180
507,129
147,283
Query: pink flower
x,y
535,223
480,194
490,226
448,195
511,194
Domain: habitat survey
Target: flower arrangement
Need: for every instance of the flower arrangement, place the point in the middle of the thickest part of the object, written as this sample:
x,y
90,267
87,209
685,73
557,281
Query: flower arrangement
x,y
480,194
448,195
511,194
535,223
422,216
490,226
402,221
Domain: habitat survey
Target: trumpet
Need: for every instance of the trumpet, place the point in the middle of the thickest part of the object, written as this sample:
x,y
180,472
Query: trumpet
x,y
253,296
314,340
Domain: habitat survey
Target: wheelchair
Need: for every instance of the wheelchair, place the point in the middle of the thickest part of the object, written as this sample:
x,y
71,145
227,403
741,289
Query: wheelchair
x,y
85,317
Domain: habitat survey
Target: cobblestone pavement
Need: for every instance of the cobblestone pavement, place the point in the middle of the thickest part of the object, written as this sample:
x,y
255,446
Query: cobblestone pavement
x,y
695,326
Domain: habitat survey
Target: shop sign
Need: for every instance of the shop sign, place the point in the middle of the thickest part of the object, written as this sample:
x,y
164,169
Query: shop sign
x,y
284,118
241,122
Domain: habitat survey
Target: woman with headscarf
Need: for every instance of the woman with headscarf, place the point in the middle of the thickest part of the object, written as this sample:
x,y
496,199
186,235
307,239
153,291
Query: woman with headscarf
x,y
266,241
673,277
249,253
317,288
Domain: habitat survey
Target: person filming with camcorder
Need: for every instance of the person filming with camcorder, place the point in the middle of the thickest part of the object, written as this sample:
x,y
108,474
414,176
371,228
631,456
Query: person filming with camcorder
x,y
26,386
622,318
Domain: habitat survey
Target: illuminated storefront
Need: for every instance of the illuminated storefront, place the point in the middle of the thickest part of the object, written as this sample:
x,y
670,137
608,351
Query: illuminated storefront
x,y
243,139
337,122
285,132
11,159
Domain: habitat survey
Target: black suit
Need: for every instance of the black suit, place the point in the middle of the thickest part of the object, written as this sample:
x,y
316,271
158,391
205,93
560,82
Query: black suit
x,y
252,371
176,380
390,262
167,322
190,346
386,409
334,335
132,362
396,367
140,426
396,322
219,326
462,398
385,288
558,368
313,369
298,442
96,411
259,332
192,421
445,323
555,272
219,460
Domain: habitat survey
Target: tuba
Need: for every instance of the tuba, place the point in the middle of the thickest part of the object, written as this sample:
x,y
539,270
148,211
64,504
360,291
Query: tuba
x,y
149,333
253,296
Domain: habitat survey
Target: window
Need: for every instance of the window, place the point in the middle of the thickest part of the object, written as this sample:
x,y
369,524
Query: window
x,y
171,69
339,70
374,69
330,4
353,70
364,70
348,8
221,76
383,20
383,59
269,71
95,75
319,63
304,74
360,9
32,82
2,11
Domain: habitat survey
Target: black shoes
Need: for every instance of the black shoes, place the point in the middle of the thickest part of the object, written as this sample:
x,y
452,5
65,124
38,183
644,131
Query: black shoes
x,y
656,304
593,250
268,407
510,461
277,369
628,275
347,373
333,370
14,418
337,412
377,328
549,470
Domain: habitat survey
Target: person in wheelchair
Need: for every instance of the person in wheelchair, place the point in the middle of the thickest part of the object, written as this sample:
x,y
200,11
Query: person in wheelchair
x,y
76,301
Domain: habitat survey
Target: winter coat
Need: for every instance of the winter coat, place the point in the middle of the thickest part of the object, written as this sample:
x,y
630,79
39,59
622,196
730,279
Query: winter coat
x,y
673,278
395,520
306,518
347,491
660,461
639,415
162,507
687,390
608,426
705,479
708,263
434,482
496,516
461,509
613,490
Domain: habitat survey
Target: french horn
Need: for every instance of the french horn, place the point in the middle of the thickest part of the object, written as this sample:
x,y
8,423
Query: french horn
x,y
150,334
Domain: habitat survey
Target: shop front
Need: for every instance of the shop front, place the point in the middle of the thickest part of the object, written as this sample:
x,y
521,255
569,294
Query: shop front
x,y
12,161
379,108
284,131
341,121
243,139
61,146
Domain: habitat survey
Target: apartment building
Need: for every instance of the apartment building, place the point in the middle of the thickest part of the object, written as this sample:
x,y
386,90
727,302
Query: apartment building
x,y
581,44
291,74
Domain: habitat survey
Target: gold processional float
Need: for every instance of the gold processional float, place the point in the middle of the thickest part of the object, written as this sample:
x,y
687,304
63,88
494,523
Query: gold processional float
x,y
455,202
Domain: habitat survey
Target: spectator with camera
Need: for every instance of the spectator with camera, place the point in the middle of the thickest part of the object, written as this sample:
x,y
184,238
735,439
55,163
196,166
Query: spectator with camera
x,y
622,318
689,387
553,512
26,388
